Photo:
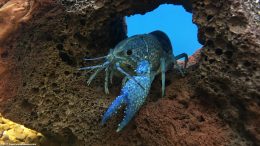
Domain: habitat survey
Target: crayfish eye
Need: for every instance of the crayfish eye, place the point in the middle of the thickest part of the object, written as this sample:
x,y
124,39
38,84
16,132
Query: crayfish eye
x,y
129,52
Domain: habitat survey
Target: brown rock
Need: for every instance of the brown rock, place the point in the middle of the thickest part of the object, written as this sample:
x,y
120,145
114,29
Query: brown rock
x,y
39,81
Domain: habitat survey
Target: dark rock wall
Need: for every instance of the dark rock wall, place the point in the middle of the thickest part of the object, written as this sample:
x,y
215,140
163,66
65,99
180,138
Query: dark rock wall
x,y
215,104
229,70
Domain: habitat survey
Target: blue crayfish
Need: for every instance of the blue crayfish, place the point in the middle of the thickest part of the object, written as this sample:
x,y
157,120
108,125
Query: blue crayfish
x,y
140,58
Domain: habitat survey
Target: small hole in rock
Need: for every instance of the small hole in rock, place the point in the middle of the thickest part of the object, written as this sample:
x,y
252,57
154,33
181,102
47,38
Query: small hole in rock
x,y
247,64
42,83
48,101
66,73
48,37
4,54
82,22
210,43
210,30
212,61
19,58
34,114
35,90
230,61
66,58
54,85
229,54
52,75
57,91
206,58
70,52
202,77
57,64
59,46
218,51
192,127
200,118
62,38
56,116
78,74
27,105
44,90
184,103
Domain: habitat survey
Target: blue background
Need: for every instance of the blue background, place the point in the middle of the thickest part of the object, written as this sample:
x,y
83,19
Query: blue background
x,y
174,21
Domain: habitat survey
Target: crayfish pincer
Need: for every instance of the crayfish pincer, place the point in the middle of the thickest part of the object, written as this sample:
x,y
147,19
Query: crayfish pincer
x,y
154,47
133,95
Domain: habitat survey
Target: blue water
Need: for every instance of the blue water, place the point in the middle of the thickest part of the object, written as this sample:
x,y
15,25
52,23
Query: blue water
x,y
174,21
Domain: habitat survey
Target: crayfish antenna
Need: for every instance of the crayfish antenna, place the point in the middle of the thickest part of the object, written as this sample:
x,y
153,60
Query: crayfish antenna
x,y
97,58
91,67
96,66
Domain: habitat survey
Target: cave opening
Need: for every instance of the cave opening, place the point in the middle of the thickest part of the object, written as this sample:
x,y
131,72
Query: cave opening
x,y
174,20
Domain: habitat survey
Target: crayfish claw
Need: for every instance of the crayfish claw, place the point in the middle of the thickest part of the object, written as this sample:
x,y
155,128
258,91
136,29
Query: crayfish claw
x,y
129,114
133,94
113,107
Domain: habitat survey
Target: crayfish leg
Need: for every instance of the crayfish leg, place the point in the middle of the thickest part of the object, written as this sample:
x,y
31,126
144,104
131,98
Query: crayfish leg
x,y
163,70
111,76
183,55
175,58
93,76
106,80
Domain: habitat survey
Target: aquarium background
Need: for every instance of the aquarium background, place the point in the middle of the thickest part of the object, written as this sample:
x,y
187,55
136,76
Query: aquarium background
x,y
174,21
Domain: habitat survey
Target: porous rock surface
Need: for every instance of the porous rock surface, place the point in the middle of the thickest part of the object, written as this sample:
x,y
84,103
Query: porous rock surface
x,y
217,103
